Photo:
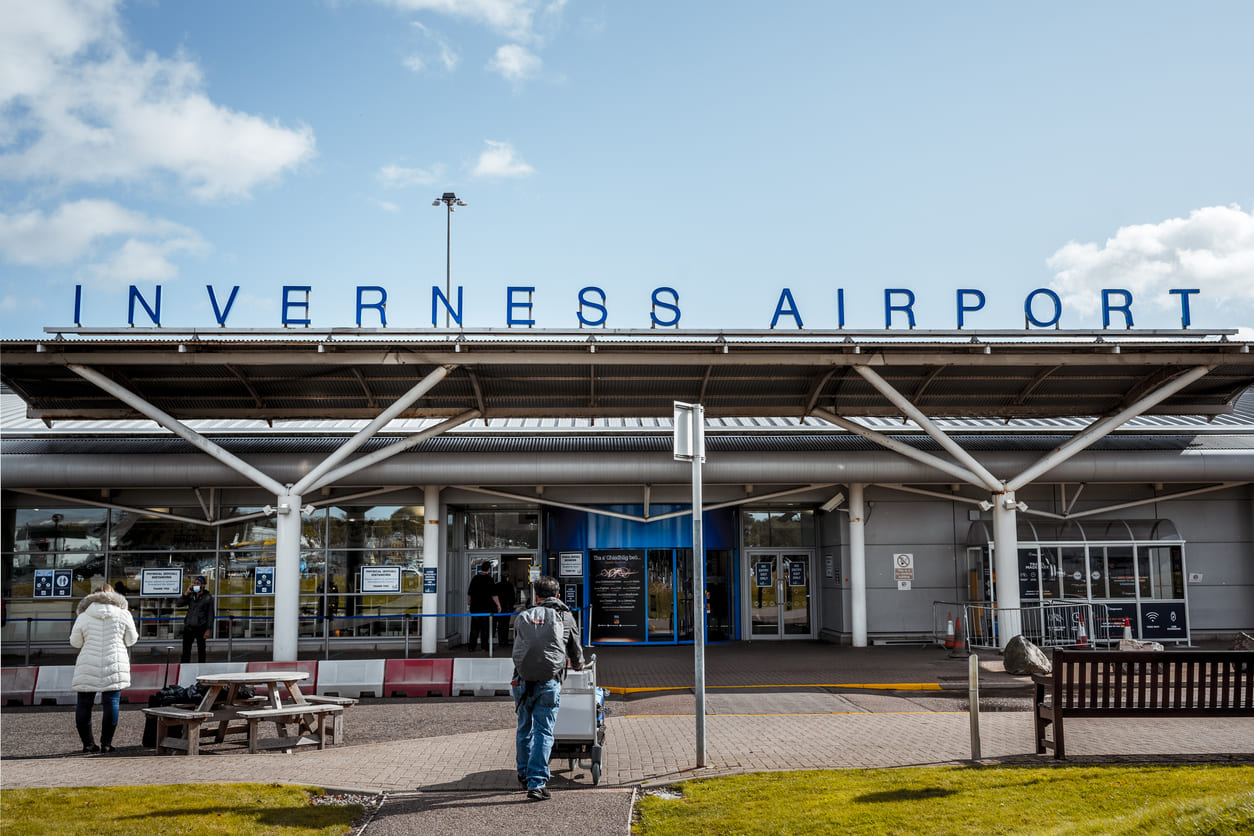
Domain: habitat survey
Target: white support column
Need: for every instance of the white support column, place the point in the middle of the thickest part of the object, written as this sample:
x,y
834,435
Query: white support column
x,y
857,566
432,547
287,577
1006,561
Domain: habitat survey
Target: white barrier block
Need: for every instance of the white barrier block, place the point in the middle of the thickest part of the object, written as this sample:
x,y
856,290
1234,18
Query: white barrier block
x,y
482,677
189,671
53,683
350,678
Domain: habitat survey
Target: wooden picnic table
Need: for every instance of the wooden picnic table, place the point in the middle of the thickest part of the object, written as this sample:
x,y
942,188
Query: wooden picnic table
x,y
317,719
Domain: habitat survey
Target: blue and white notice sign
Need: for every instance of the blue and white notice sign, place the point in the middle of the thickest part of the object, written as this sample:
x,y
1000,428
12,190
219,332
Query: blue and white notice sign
x,y
429,580
263,580
53,583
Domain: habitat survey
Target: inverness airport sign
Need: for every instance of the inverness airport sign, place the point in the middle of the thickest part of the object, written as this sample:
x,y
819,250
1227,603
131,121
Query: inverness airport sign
x,y
1042,307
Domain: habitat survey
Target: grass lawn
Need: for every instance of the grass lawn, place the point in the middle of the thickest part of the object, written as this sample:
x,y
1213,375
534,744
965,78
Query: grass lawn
x,y
200,809
1140,799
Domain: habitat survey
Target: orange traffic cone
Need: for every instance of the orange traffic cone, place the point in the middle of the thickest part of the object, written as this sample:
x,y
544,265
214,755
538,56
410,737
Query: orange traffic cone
x,y
960,644
1127,629
949,632
1083,640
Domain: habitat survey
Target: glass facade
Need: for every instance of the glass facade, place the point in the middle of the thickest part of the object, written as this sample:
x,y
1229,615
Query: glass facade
x,y
90,547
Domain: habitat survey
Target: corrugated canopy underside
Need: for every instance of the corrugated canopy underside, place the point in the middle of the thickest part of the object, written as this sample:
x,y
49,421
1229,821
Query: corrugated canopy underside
x,y
537,377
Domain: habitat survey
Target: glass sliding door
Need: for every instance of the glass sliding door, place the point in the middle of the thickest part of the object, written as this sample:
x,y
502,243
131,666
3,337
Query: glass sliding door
x,y
778,584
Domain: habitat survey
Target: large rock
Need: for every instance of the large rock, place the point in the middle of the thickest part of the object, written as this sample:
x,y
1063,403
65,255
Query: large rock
x,y
1023,658
1244,641
1137,644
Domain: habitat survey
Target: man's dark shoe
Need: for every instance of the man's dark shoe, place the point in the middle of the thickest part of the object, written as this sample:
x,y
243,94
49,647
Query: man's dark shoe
x,y
539,794
90,748
522,780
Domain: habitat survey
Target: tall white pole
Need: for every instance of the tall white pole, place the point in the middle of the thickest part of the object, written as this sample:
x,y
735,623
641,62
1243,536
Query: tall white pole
x,y
432,543
1006,561
287,577
857,566
698,583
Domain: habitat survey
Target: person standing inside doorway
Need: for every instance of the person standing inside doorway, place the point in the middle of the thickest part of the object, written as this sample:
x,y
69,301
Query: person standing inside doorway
x,y
198,623
505,596
481,598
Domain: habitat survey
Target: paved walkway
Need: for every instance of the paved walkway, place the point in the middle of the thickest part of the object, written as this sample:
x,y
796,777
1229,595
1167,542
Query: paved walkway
x,y
769,708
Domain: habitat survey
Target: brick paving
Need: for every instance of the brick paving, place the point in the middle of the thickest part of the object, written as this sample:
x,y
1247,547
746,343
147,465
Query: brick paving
x,y
768,709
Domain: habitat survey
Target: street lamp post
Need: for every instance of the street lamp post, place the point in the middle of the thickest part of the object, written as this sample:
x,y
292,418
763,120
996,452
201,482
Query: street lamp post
x,y
450,200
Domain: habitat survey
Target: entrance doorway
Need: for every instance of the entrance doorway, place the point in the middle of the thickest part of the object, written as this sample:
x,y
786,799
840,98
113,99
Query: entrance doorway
x,y
778,586
512,568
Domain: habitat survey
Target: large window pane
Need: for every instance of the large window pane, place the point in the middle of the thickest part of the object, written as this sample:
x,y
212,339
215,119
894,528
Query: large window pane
x,y
1120,577
58,529
1075,582
778,529
1167,571
131,530
502,530
375,526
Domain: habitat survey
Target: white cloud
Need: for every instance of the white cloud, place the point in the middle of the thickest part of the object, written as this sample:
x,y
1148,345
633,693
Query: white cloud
x,y
1212,250
83,228
444,54
387,206
515,63
398,177
512,18
12,304
499,161
77,107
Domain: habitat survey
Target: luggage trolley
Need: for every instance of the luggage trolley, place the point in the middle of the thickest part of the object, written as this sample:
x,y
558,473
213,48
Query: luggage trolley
x,y
580,728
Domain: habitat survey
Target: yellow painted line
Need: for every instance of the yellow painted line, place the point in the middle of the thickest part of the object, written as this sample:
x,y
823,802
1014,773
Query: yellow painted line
x,y
873,686
794,714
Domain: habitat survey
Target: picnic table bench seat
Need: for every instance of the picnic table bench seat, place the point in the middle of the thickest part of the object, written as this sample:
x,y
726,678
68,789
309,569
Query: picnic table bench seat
x,y
330,723
1172,683
189,719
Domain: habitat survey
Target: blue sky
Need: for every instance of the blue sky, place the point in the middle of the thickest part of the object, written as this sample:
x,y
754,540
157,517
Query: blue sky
x,y
726,150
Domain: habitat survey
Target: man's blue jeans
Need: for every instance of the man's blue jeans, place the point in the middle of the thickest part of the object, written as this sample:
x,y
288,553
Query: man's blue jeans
x,y
537,711
109,722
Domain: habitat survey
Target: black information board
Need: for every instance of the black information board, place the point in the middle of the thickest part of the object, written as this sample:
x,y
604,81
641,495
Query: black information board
x,y
618,595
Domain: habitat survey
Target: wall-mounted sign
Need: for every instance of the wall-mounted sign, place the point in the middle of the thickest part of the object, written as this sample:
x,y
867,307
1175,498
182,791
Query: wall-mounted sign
x,y
263,580
1042,307
429,576
829,566
54,583
617,586
796,573
764,574
380,579
570,564
903,567
161,583
1163,621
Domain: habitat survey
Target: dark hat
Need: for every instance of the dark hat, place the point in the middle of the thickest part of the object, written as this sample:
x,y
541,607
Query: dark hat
x,y
201,579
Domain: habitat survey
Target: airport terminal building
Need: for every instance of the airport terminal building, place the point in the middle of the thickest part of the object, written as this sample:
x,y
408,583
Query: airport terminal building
x,y
341,486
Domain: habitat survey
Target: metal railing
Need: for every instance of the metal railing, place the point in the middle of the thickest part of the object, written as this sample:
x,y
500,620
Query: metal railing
x,y
409,627
1044,623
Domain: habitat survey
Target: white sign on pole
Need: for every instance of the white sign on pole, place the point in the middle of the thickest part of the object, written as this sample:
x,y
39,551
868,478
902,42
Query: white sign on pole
x,y
689,437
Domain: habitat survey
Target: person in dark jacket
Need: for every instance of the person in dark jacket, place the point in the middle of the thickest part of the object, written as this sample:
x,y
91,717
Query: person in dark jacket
x,y
481,598
198,623
505,595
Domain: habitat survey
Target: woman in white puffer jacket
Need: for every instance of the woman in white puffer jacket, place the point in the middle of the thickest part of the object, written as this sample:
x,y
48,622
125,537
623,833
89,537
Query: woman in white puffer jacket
x,y
103,630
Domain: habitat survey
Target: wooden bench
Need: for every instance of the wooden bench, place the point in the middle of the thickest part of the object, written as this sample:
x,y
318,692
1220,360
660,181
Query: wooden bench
x,y
337,719
190,720
1172,683
298,715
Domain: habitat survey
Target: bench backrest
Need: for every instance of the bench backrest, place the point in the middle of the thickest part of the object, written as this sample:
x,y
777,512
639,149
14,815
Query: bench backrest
x,y
1202,681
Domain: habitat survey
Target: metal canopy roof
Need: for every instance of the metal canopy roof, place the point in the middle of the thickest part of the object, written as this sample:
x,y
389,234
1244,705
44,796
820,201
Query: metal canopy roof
x,y
639,374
